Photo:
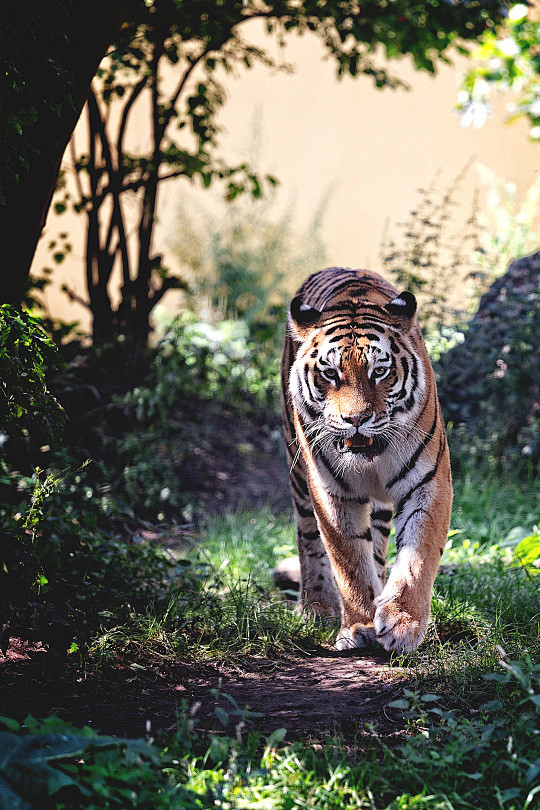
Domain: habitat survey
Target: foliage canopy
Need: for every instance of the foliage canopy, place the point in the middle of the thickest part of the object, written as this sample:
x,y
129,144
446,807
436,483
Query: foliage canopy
x,y
175,54
506,59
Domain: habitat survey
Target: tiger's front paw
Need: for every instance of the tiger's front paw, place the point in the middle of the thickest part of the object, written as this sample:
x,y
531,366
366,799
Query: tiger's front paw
x,y
357,637
396,630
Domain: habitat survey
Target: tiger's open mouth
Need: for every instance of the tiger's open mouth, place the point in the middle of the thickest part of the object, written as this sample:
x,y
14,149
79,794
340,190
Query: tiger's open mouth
x,y
361,445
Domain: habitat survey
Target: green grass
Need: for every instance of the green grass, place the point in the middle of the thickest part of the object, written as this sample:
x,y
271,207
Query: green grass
x,y
222,604
487,509
484,600
246,544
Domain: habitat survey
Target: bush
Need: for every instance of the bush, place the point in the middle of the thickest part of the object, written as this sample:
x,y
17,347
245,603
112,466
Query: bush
x,y
30,417
489,385
198,373
432,257
243,260
29,413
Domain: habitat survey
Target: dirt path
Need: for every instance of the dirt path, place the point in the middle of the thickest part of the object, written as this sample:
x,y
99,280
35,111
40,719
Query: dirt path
x,y
336,692
331,693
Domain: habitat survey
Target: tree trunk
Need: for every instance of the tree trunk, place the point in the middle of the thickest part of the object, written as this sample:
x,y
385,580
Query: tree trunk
x,y
89,29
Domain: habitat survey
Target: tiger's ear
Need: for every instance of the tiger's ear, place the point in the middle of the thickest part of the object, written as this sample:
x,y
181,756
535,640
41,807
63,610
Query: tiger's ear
x,y
402,307
303,317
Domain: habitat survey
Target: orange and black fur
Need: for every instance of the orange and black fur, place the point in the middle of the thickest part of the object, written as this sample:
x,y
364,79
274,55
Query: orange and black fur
x,y
366,445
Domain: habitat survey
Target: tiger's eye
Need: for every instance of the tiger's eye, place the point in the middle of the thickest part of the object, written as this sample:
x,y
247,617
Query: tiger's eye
x,y
332,375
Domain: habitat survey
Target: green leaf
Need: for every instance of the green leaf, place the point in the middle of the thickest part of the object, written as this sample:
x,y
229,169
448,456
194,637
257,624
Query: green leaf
x,y
497,677
10,723
399,704
528,550
492,706
222,715
25,762
506,795
533,772
38,778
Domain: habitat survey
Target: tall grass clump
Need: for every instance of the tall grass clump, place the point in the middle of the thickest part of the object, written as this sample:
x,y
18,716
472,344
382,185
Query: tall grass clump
x,y
221,605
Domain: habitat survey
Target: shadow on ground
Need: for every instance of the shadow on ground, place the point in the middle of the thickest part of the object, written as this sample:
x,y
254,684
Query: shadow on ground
x,y
330,692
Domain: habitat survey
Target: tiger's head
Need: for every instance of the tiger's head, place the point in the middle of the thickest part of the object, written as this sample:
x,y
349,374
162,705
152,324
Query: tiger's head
x,y
358,377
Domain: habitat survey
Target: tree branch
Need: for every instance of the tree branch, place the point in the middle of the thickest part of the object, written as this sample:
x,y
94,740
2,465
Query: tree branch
x,y
117,219
73,296
137,90
169,283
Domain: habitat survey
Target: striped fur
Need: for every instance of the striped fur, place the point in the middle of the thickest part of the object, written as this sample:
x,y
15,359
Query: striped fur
x,y
366,445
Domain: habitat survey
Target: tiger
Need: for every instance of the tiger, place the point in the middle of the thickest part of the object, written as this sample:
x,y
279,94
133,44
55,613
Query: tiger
x,y
366,444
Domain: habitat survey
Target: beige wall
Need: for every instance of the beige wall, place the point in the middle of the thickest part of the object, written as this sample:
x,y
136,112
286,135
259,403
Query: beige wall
x,y
373,149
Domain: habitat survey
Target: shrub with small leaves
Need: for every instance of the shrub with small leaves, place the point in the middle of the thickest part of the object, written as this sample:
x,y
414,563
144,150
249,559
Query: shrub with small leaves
x,y
198,372
30,417
489,385
29,413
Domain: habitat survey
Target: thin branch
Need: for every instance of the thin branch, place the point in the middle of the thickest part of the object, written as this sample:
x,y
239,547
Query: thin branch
x,y
181,84
92,233
172,175
170,283
73,296
116,187
137,90
73,153
134,185
147,219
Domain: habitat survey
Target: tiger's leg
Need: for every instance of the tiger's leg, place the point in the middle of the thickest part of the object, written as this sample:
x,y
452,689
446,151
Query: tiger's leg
x,y
347,537
422,522
381,523
318,590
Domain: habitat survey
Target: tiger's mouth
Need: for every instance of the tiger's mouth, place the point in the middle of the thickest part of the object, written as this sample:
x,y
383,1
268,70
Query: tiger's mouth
x,y
362,445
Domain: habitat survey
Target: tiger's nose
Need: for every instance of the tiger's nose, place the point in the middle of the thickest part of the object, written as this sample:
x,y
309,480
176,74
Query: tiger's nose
x,y
358,419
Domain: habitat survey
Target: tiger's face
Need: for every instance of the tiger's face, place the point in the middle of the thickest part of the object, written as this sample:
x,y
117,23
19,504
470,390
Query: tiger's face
x,y
356,378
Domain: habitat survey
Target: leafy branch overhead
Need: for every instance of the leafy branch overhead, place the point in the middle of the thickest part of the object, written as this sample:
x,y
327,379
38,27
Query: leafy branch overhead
x,y
507,59
173,56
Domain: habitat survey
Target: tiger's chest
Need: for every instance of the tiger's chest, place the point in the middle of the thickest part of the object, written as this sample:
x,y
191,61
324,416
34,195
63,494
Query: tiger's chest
x,y
384,479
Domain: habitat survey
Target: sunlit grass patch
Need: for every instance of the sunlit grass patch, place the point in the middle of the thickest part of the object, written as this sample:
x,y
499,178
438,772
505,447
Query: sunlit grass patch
x,y
487,508
247,544
221,602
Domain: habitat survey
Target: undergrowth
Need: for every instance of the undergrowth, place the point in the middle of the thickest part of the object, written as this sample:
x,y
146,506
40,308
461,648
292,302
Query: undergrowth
x,y
221,604
453,761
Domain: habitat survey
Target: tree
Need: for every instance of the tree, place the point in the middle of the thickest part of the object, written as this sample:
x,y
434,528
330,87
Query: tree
x,y
50,50
506,59
67,38
198,42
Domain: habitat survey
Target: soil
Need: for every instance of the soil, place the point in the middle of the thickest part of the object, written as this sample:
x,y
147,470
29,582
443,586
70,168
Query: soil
x,y
345,693
340,693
